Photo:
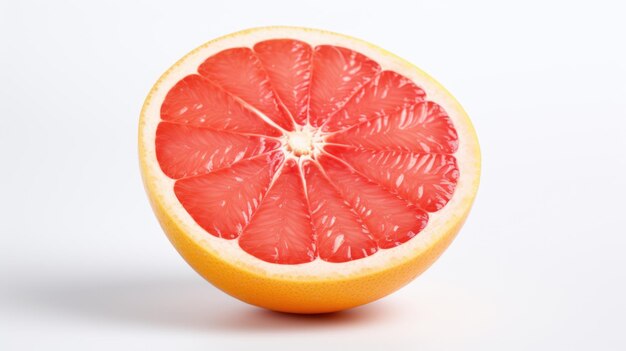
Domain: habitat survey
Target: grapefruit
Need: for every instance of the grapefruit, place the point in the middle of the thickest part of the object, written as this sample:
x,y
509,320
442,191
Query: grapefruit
x,y
306,171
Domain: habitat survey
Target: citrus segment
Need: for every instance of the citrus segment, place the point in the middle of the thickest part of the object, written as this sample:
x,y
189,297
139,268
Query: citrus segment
x,y
288,64
223,201
424,127
390,219
387,93
185,151
280,231
425,180
240,72
338,73
341,235
196,101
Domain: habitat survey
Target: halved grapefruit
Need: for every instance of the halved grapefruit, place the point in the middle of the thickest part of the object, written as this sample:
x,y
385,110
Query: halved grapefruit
x,y
306,171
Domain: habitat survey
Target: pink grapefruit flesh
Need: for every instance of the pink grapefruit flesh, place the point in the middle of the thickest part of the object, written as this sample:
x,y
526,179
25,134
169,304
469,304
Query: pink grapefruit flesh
x,y
302,152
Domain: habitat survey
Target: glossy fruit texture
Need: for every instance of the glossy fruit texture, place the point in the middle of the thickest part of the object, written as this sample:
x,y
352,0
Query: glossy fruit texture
x,y
384,159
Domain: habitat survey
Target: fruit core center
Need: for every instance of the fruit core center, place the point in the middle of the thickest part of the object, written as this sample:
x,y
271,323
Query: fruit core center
x,y
301,143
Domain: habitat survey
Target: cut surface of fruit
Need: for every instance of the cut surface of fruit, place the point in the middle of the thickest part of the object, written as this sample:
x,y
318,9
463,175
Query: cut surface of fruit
x,y
394,165
299,155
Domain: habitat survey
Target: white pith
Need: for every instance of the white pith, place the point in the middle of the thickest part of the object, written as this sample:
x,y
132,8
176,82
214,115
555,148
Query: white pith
x,y
308,140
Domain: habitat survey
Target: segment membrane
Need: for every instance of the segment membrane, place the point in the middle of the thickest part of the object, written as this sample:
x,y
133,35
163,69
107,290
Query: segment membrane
x,y
197,102
288,64
386,94
280,231
341,235
222,202
185,151
425,180
338,73
424,127
241,73
391,220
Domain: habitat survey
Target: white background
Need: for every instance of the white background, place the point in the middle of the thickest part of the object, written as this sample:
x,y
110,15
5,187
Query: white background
x,y
539,265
